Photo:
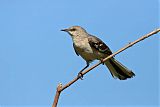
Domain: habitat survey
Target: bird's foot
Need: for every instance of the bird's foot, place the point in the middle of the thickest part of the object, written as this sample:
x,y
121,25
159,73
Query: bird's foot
x,y
80,75
101,60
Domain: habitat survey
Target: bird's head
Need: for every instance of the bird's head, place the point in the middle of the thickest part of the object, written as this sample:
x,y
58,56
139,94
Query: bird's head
x,y
75,31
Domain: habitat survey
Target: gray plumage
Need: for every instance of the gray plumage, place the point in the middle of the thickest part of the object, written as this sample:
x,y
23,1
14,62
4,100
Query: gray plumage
x,y
90,48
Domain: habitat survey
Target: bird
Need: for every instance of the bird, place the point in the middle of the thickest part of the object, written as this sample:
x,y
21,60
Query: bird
x,y
91,48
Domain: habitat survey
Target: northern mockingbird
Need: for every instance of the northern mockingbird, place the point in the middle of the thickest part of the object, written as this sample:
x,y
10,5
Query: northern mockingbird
x,y
90,48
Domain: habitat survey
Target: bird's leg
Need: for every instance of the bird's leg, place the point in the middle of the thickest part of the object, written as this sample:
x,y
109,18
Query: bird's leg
x,y
80,75
101,60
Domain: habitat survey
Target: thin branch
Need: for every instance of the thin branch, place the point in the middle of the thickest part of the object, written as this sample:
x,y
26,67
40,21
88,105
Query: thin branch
x,y
60,88
58,92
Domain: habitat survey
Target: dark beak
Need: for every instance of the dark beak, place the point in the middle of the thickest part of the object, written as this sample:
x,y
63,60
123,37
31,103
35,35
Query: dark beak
x,y
65,30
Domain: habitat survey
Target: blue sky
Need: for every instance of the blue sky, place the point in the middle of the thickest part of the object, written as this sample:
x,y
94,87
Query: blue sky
x,y
35,55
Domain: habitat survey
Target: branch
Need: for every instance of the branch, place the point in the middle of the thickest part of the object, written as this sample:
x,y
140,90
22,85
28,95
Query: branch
x,y
58,92
60,88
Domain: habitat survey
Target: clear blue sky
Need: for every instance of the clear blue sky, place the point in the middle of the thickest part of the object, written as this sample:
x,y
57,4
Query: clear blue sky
x,y
35,55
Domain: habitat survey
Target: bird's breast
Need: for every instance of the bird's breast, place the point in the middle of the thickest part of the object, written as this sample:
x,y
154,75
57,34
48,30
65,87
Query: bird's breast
x,y
84,50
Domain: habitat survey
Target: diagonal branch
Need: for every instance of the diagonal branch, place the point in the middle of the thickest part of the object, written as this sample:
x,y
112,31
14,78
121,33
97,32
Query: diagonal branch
x,y
60,88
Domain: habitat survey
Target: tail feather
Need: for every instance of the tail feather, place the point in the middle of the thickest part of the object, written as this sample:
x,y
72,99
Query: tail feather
x,y
118,70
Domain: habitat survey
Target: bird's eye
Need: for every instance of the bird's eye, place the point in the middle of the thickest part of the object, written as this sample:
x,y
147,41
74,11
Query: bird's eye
x,y
73,29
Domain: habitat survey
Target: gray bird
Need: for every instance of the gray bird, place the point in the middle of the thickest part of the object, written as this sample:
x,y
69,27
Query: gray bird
x,y
90,48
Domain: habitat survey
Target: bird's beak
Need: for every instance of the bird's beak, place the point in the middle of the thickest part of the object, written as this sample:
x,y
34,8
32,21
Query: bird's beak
x,y
65,30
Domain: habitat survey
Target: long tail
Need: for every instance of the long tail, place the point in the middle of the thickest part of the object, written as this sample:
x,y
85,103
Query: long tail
x,y
118,70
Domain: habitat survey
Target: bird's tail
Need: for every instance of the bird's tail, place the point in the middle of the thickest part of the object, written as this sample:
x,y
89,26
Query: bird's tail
x,y
118,70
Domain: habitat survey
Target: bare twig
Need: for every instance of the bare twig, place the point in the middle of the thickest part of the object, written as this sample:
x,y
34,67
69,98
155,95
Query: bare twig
x,y
58,92
60,88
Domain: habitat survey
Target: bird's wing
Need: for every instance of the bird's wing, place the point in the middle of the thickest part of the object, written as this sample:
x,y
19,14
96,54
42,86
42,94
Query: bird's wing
x,y
99,45
75,49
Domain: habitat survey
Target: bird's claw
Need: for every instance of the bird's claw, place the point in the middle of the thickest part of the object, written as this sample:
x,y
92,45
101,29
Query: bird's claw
x,y
80,75
101,60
